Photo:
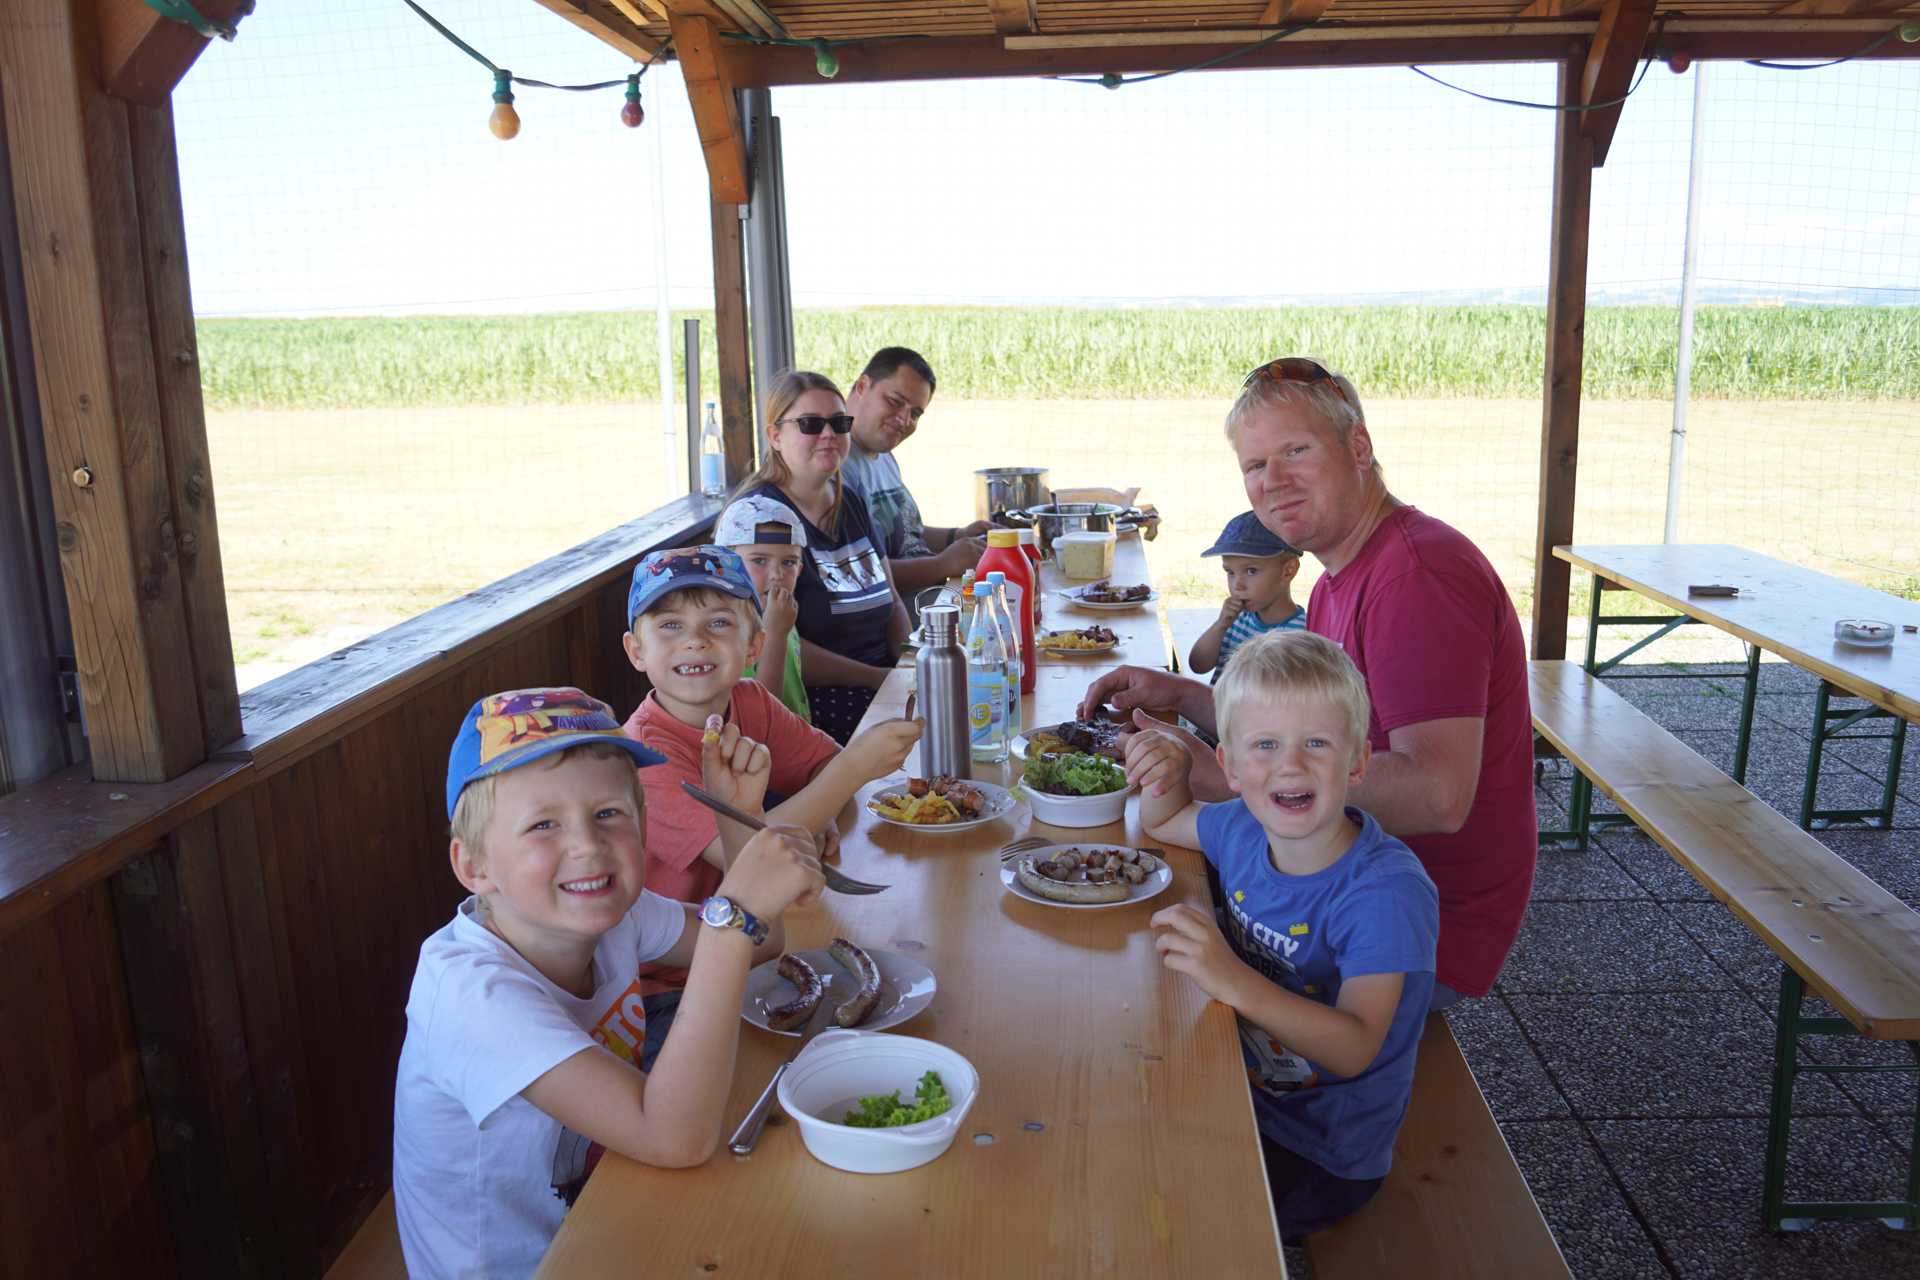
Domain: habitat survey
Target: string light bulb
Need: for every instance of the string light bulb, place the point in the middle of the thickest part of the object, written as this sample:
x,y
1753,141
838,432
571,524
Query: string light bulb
x,y
1910,32
1678,63
823,60
505,121
631,113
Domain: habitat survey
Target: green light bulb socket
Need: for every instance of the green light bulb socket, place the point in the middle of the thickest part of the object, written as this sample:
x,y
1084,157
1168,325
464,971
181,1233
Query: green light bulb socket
x,y
503,86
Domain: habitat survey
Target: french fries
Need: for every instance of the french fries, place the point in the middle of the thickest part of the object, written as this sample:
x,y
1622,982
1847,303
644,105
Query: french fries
x,y
930,810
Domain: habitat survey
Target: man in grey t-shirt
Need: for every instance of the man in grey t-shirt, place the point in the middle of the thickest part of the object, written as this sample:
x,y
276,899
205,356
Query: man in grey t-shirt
x,y
886,402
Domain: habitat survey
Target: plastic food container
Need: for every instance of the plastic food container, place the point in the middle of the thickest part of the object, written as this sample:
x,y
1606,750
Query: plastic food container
x,y
1078,811
1085,554
839,1067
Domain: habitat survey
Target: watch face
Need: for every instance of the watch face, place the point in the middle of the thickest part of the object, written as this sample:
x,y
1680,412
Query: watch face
x,y
716,911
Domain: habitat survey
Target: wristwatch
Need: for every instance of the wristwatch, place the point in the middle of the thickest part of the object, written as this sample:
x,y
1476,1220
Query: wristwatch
x,y
725,913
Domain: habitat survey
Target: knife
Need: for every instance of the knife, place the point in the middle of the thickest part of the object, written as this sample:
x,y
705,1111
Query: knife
x,y
748,1134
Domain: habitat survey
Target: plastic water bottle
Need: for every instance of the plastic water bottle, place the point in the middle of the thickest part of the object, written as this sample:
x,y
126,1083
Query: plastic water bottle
x,y
713,457
1004,606
987,685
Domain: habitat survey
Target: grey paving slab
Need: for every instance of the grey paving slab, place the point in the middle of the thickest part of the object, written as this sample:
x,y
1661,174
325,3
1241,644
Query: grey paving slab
x,y
1693,1054
1589,1216
1606,946
1891,859
1508,1072
1299,1266
1887,1095
1651,866
1696,1183
1733,946
1582,875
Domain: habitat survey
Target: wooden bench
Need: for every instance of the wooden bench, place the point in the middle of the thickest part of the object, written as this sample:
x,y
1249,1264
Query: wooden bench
x,y
1186,626
374,1251
1455,1204
1837,932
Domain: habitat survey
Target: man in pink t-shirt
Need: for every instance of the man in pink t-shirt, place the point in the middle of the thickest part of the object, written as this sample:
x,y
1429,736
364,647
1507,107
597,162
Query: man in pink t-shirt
x,y
1427,621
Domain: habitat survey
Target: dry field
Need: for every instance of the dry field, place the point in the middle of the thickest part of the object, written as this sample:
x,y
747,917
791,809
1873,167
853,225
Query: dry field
x,y
337,523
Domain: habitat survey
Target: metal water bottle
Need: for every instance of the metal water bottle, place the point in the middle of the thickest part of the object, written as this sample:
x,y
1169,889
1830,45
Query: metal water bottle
x,y
940,674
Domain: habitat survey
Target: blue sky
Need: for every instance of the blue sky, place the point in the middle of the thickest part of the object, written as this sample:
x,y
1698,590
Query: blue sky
x,y
335,160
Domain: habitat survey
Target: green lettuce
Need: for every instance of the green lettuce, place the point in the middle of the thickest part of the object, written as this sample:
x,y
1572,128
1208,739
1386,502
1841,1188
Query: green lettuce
x,y
886,1111
1075,773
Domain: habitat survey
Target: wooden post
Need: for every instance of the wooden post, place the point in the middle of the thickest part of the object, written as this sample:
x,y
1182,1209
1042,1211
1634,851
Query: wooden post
x,y
730,338
155,693
1566,330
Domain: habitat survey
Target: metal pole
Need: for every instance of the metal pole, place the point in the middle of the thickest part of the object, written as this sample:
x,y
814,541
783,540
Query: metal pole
x,y
691,328
663,301
770,299
1689,266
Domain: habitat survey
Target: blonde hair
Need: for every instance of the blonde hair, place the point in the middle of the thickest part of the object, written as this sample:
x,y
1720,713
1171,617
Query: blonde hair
x,y
704,598
788,387
474,809
1334,402
1292,663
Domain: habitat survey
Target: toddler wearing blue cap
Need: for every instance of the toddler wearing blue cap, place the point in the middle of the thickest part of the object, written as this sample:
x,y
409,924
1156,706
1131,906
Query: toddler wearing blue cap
x,y
524,1024
1260,570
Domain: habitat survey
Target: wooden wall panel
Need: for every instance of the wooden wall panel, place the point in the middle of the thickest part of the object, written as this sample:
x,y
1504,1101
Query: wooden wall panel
x,y
77,1159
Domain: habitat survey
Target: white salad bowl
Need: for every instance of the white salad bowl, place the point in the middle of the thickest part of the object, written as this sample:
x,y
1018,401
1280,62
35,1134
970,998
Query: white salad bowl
x,y
837,1068
1077,811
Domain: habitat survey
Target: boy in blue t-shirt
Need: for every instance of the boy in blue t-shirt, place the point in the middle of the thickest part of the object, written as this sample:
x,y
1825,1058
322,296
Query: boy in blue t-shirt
x,y
1329,923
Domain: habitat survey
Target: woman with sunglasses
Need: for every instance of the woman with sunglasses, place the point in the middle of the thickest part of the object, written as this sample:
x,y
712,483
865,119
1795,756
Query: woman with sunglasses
x,y
852,622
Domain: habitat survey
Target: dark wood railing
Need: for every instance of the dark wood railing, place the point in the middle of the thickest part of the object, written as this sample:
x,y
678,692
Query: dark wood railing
x,y
203,981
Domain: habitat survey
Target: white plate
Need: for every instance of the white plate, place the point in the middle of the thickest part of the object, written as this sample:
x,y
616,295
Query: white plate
x,y
1000,803
1065,651
1150,887
1072,595
906,987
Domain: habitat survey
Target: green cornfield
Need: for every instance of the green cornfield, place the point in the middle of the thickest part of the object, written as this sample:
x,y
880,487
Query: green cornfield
x,y
1399,352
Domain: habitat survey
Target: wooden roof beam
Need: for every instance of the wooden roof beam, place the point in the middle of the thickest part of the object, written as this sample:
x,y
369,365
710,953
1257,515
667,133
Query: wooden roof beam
x,y
143,55
1558,8
1618,45
1281,12
632,42
1013,17
716,111
1838,8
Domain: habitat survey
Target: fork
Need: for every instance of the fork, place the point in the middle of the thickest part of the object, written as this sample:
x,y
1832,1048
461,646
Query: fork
x,y
835,880
1018,847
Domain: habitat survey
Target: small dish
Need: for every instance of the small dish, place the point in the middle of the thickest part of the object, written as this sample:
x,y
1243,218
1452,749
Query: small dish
x,y
906,988
1050,642
1870,633
839,1067
1076,597
1000,802
1154,885
1078,811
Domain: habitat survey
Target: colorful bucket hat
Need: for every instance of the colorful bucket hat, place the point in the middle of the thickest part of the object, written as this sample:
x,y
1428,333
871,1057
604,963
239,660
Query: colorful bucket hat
x,y
506,730
1246,536
683,567
758,519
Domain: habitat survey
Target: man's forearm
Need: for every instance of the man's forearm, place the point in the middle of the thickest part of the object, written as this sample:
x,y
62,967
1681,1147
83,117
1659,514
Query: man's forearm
x,y
918,573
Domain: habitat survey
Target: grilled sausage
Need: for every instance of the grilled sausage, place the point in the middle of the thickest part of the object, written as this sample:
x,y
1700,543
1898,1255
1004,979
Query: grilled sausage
x,y
866,973
1033,882
794,1014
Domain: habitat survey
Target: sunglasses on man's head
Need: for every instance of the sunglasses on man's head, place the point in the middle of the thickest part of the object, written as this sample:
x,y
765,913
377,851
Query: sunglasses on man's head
x,y
812,424
1296,369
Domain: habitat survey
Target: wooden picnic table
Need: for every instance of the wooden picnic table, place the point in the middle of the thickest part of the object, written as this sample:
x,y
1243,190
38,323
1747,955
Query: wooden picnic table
x,y
1786,609
1113,1133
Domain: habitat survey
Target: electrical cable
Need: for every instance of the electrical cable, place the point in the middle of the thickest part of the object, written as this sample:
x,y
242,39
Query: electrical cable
x,y
488,63
1861,52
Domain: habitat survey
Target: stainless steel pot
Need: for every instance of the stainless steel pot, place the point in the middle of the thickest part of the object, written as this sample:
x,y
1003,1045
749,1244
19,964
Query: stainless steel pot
x,y
1052,519
998,489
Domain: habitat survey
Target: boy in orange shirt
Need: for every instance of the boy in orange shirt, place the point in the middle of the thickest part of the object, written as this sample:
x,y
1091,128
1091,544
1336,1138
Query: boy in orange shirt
x,y
694,624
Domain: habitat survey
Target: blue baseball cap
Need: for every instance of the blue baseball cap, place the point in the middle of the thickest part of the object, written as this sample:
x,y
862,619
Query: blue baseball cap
x,y
1246,536
506,730
679,568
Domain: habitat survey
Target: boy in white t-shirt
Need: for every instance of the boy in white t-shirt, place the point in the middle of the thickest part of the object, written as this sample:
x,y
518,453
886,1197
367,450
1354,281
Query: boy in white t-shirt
x,y
525,1020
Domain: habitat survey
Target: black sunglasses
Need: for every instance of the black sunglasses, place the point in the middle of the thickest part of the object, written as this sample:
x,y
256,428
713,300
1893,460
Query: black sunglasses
x,y
812,424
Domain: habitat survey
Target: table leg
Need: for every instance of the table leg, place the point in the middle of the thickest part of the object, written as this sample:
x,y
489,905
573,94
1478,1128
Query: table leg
x,y
1747,696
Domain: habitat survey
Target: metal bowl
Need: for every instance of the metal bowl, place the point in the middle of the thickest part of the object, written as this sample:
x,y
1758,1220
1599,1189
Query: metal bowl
x,y
1052,519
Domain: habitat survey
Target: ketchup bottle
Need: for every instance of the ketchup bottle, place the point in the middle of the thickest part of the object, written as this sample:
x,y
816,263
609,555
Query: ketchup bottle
x,y
1004,554
1030,543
